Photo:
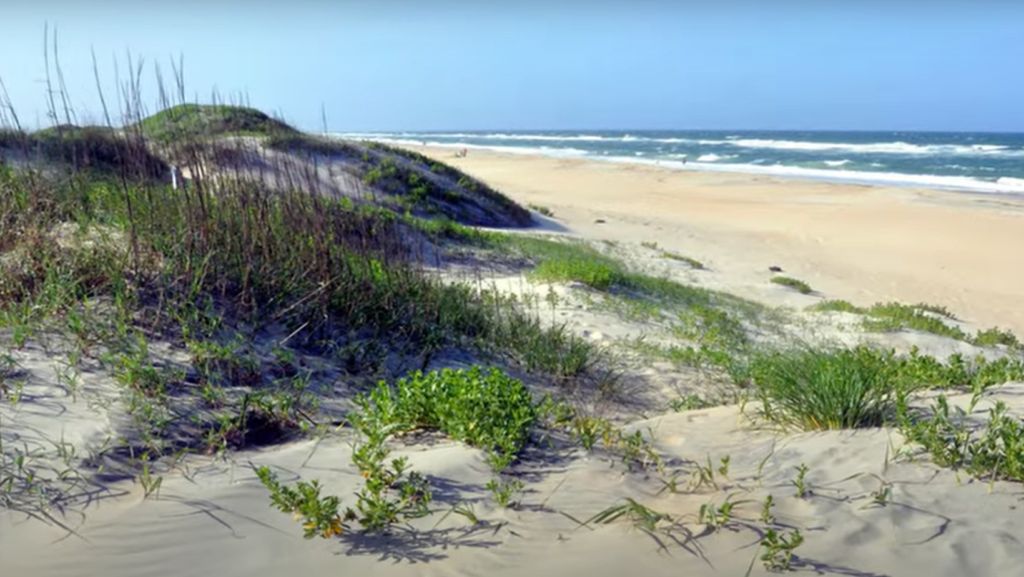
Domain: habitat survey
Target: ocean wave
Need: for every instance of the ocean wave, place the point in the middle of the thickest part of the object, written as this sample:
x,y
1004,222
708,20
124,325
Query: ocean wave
x,y
1007,185
898,147
735,141
713,162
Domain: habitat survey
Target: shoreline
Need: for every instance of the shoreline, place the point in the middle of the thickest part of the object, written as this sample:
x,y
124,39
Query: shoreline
x,y
949,248
857,178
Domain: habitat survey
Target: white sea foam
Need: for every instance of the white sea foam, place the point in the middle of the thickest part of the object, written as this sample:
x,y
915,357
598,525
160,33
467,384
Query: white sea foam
x,y
837,162
714,157
1010,182
868,148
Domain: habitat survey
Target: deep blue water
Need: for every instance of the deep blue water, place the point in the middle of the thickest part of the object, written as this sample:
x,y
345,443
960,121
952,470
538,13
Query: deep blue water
x,y
982,162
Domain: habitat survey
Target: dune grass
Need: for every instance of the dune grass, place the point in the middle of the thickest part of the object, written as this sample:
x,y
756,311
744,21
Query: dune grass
x,y
795,284
121,266
193,121
928,318
694,263
818,389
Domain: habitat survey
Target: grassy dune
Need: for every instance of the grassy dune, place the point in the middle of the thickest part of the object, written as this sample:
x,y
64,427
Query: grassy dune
x,y
234,312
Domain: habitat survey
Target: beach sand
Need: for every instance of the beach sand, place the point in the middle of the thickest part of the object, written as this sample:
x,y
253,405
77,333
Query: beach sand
x,y
213,517
859,243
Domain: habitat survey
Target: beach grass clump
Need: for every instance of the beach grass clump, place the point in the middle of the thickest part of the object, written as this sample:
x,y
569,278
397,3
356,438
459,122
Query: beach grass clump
x,y
541,209
597,274
924,317
836,305
818,389
886,317
795,284
694,263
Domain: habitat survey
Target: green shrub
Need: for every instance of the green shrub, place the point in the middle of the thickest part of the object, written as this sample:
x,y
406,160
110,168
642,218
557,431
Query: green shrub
x,y
489,409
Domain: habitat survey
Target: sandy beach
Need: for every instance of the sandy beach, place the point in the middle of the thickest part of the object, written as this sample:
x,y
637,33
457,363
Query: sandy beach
x,y
866,502
859,243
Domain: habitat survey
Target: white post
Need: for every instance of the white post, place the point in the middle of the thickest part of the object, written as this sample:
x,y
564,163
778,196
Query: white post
x,y
174,177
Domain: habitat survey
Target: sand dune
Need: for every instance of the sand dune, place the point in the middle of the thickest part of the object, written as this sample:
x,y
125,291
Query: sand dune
x,y
217,521
213,517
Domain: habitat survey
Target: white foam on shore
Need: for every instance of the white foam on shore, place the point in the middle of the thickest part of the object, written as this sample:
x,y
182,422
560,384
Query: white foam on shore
x,y
898,147
714,157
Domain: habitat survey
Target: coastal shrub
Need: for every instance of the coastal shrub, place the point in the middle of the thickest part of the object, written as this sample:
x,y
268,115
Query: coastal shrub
x,y
485,409
995,336
795,284
949,438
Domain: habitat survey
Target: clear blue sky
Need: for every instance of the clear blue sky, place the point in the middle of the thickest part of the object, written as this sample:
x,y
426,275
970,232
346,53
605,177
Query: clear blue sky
x,y
563,64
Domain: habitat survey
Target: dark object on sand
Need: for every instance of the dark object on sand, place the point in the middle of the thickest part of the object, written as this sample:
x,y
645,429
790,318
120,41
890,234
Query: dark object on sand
x,y
775,268
599,221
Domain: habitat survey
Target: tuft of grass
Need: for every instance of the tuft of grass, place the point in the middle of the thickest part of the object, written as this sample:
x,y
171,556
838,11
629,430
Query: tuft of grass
x,y
694,263
597,274
836,305
795,284
542,210
823,389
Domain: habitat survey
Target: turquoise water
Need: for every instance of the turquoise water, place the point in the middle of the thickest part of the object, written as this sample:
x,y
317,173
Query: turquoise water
x,y
981,162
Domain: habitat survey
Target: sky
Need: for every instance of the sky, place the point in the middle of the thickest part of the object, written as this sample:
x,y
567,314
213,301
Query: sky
x,y
403,65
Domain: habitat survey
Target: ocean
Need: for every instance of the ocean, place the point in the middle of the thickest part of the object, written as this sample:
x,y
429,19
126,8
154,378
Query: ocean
x,y
964,161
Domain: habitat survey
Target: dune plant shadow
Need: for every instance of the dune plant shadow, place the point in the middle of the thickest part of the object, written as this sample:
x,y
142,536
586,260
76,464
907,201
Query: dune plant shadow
x,y
418,546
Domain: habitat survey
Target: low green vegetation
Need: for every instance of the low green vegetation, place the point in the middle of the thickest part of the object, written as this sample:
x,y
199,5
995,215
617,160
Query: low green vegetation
x,y
225,318
891,316
795,284
694,263
190,122
542,210
817,389
486,410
